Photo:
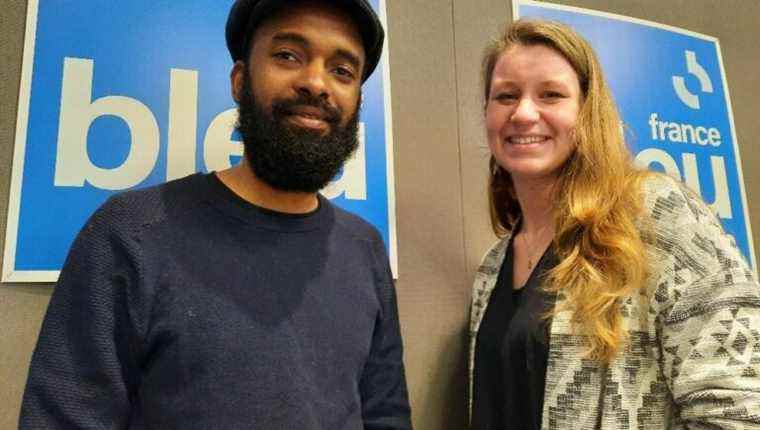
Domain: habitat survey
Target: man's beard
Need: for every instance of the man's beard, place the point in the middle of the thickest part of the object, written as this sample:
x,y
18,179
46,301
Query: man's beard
x,y
290,158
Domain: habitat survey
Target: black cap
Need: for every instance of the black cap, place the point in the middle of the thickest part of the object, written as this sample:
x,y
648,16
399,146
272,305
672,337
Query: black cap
x,y
246,15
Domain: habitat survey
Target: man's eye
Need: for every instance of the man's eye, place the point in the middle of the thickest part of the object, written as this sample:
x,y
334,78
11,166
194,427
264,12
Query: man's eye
x,y
344,72
285,55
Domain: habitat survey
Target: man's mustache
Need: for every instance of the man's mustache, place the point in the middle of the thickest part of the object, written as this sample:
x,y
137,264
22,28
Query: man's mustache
x,y
284,107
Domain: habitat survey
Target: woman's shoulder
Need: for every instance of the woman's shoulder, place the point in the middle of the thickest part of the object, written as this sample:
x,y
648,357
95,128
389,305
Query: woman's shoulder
x,y
491,261
684,233
667,200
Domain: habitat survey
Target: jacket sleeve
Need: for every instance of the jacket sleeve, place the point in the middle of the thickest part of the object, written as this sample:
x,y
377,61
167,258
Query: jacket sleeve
x,y
709,318
82,373
385,403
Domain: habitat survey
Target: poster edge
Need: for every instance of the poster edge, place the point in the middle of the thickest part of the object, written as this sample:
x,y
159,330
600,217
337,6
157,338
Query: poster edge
x,y
610,15
10,274
389,153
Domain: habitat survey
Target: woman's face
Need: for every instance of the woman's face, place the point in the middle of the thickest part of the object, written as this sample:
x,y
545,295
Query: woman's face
x,y
532,109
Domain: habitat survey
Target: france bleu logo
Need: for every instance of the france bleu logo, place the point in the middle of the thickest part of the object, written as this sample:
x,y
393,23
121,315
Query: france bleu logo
x,y
118,95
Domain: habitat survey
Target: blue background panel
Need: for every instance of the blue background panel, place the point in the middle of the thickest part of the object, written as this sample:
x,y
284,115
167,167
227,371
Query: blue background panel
x,y
133,49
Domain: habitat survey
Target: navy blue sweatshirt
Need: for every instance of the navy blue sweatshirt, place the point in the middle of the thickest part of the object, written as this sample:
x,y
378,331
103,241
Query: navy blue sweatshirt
x,y
182,306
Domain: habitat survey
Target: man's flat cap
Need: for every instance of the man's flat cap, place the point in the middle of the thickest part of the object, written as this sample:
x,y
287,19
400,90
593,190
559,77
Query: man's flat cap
x,y
246,15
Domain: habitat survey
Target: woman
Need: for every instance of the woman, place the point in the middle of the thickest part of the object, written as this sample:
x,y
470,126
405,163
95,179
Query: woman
x,y
614,299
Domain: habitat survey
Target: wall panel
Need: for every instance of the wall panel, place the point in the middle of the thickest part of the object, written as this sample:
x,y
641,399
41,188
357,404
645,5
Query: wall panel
x,y
21,307
430,238
440,172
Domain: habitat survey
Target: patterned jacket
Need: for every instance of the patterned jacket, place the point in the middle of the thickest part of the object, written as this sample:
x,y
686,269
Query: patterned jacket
x,y
692,360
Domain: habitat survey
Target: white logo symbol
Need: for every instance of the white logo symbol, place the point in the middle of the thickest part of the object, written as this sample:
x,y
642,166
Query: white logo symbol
x,y
687,97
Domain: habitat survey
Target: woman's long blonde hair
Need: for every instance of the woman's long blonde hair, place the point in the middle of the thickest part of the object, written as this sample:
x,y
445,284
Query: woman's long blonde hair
x,y
598,202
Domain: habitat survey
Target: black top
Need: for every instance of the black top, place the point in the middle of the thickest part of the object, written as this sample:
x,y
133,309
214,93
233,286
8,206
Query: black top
x,y
183,306
511,351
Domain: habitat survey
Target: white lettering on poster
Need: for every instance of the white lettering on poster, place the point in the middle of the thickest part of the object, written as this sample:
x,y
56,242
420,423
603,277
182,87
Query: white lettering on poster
x,y
73,165
183,114
683,133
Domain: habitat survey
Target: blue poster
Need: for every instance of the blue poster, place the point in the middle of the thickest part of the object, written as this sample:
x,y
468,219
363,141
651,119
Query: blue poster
x,y
121,95
670,87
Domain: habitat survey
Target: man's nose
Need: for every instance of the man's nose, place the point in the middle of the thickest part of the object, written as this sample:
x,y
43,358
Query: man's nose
x,y
313,81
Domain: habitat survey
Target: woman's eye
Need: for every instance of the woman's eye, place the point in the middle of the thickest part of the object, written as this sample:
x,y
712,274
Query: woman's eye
x,y
505,97
553,95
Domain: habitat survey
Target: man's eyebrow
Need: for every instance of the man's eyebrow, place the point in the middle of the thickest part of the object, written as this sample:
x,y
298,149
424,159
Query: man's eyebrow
x,y
290,37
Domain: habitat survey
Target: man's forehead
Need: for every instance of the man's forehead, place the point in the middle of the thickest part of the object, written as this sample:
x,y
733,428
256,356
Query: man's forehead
x,y
311,22
311,13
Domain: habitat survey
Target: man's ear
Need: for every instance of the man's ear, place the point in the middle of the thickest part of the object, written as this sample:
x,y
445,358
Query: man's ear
x,y
237,79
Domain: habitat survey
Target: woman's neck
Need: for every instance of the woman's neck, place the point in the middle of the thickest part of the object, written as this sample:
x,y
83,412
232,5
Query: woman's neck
x,y
536,200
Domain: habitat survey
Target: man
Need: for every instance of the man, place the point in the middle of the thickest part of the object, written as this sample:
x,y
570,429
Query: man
x,y
243,298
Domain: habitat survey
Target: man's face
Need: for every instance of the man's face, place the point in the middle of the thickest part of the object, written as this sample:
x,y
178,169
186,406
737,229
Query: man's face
x,y
299,95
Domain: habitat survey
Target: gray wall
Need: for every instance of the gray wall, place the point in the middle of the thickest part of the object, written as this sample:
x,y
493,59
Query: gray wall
x,y
440,174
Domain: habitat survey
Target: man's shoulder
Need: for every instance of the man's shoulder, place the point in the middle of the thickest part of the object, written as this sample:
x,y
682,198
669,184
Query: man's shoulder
x,y
355,225
145,206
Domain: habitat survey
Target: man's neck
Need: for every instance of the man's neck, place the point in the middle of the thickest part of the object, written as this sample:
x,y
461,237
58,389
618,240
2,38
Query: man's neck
x,y
243,182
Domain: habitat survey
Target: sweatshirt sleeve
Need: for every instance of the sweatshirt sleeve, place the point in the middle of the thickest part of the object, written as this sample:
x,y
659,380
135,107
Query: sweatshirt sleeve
x,y
709,319
385,403
83,372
